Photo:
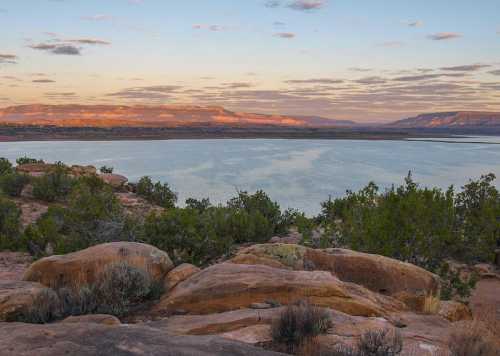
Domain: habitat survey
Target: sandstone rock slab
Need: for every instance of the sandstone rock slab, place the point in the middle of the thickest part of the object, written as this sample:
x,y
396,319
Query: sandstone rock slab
x,y
82,268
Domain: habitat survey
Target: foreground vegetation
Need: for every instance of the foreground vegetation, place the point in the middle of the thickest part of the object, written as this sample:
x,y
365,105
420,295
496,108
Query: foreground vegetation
x,y
419,225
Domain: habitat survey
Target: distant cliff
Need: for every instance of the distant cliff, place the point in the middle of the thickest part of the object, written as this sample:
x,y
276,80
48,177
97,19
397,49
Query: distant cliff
x,y
451,120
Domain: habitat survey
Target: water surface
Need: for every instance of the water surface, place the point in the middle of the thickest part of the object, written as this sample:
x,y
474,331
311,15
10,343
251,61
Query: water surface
x,y
296,173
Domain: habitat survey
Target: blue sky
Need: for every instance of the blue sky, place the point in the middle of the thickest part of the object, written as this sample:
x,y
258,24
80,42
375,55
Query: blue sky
x,y
363,60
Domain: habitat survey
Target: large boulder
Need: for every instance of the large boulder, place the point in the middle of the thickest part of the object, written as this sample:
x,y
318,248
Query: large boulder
x,y
86,339
17,297
229,286
418,288
82,268
115,180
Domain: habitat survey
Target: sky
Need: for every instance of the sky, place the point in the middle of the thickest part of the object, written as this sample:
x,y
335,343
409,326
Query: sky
x,y
363,60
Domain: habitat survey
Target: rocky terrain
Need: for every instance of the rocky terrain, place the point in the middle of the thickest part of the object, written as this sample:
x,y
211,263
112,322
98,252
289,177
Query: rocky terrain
x,y
228,308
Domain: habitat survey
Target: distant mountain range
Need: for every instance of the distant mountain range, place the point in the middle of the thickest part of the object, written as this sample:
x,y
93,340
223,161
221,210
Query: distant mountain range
x,y
451,120
151,116
172,116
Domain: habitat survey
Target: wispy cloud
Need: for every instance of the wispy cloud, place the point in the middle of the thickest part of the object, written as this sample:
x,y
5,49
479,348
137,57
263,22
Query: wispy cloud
x,y
99,17
315,81
272,4
8,58
495,72
416,23
307,5
466,68
43,81
60,49
156,93
391,44
213,28
286,35
441,36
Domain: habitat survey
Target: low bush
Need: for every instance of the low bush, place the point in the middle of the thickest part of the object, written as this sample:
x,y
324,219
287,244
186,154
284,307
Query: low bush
x,y
46,307
5,166
380,343
120,287
106,170
28,160
298,324
156,193
53,185
13,183
10,225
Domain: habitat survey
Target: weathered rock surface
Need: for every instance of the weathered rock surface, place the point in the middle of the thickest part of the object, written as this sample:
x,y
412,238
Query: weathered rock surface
x,y
216,323
454,311
179,274
17,297
103,319
136,206
114,180
82,171
86,339
35,169
82,268
418,288
31,210
229,286
13,265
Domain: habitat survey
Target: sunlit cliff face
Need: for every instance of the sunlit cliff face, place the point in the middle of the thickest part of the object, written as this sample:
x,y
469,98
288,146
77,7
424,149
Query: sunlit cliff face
x,y
143,116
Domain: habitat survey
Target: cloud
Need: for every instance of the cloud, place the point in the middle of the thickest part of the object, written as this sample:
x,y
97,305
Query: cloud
x,y
90,41
238,85
279,24
8,58
66,47
272,4
392,44
307,5
495,72
286,35
60,49
315,81
440,36
412,78
153,93
61,95
97,18
358,69
466,68
213,28
416,23
43,81
371,80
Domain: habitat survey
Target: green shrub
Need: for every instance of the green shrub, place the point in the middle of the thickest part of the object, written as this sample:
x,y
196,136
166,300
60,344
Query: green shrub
x,y
10,217
106,170
93,215
28,160
298,323
13,183
159,194
53,185
419,225
5,166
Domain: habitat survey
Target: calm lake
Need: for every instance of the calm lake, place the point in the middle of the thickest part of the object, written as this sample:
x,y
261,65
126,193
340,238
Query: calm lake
x,y
296,173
